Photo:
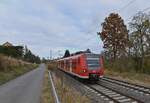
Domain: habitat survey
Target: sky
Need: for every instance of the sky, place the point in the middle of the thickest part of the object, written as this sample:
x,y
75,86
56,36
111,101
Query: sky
x,y
57,25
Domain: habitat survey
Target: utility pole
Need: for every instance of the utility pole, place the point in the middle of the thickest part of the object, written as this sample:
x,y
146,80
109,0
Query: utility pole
x,y
50,54
59,53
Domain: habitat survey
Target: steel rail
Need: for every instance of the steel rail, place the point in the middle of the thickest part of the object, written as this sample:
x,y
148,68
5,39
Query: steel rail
x,y
139,101
92,88
103,94
53,89
129,85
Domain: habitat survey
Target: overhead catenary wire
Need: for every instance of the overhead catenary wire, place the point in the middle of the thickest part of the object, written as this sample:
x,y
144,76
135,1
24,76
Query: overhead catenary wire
x,y
128,4
124,7
147,8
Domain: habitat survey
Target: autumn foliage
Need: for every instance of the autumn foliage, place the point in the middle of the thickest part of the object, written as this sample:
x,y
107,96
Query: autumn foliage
x,y
114,35
126,50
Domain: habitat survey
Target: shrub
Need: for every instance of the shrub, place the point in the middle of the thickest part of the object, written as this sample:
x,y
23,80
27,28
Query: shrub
x,y
9,63
52,65
128,64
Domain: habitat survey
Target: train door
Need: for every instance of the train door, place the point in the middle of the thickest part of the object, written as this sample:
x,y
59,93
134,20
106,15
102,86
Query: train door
x,y
78,65
65,65
70,67
74,65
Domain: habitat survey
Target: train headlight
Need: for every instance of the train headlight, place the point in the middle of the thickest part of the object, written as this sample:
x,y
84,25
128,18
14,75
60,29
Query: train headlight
x,y
84,71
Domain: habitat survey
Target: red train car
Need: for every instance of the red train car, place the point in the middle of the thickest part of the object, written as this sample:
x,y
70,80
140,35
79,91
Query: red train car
x,y
84,65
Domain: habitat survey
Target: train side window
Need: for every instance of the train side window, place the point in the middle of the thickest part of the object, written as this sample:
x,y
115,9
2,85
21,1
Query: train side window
x,y
67,64
70,63
79,60
63,64
74,64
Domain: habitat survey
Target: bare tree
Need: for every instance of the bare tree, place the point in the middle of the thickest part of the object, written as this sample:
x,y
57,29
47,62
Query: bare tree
x,y
140,37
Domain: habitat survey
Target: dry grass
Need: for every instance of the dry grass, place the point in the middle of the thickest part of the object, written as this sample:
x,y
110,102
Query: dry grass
x,y
46,90
132,77
67,94
52,65
10,68
8,63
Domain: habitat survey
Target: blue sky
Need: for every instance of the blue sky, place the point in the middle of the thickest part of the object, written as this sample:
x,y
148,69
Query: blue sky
x,y
60,24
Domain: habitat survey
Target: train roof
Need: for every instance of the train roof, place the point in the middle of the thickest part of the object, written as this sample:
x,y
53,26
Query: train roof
x,y
77,55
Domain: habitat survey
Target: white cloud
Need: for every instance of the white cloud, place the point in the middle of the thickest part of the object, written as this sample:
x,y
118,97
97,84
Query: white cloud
x,y
58,25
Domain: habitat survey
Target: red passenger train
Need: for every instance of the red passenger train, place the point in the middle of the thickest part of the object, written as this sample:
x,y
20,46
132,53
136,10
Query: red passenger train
x,y
84,65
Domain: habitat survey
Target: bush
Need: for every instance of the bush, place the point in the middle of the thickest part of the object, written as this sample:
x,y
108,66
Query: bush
x,y
121,65
10,68
146,65
14,51
128,64
9,63
52,65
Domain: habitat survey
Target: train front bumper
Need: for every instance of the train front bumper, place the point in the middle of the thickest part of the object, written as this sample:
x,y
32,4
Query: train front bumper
x,y
93,76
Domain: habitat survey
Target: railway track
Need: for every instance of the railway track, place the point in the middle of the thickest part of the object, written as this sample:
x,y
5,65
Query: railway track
x,y
104,90
134,87
110,95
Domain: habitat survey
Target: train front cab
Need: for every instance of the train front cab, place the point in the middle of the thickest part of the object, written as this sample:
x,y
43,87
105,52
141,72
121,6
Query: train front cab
x,y
93,67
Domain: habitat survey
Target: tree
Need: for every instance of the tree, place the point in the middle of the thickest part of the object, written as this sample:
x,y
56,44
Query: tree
x,y
140,37
44,60
14,51
114,36
30,57
67,53
88,51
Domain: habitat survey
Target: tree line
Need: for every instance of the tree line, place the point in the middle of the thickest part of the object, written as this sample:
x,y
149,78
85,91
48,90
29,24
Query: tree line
x,y
20,52
127,48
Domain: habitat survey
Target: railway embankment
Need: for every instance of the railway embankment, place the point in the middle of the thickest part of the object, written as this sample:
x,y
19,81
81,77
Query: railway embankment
x,y
67,89
106,90
11,68
131,77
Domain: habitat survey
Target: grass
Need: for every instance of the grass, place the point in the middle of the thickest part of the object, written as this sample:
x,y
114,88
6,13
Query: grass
x,y
132,76
11,68
66,93
52,65
46,96
127,69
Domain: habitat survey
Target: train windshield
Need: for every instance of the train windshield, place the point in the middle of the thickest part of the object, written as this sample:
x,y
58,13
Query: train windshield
x,y
93,61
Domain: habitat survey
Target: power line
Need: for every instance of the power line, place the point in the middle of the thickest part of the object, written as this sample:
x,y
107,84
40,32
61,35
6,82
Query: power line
x,y
136,13
146,9
50,54
128,4
95,19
